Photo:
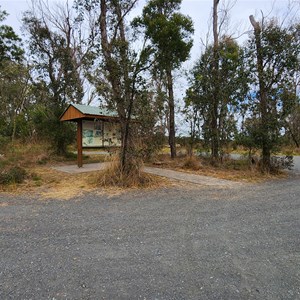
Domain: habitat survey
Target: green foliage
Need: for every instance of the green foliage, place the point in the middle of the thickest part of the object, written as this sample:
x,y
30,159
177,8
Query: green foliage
x,y
15,99
49,128
169,32
273,61
12,175
10,42
58,51
232,88
55,58
281,163
148,137
13,80
292,125
4,141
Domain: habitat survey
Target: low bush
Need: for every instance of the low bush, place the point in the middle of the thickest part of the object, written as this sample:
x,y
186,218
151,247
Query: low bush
x,y
191,163
4,142
12,175
282,162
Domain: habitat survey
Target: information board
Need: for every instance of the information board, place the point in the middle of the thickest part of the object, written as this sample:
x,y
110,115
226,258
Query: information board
x,y
100,134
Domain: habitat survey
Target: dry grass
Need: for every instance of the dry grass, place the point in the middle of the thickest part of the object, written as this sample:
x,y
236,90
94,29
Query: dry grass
x,y
48,183
191,163
290,151
24,155
36,159
113,176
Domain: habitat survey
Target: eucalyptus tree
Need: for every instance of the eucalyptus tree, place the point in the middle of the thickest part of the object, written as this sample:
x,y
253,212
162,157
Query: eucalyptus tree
x,y
10,43
169,32
273,60
218,115
292,126
15,98
117,68
14,79
58,49
216,79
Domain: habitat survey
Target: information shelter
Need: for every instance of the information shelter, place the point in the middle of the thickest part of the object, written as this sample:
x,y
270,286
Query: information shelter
x,y
96,127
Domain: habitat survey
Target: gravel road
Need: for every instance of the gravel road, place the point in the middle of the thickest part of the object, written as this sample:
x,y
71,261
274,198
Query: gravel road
x,y
185,242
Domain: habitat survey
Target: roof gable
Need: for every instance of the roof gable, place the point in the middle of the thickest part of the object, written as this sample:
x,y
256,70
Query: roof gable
x,y
79,111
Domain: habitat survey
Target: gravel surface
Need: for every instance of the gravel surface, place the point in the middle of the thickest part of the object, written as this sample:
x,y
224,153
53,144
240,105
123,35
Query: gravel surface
x,y
185,242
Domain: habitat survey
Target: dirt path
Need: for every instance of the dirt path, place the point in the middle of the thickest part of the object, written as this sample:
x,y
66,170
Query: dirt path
x,y
191,178
171,174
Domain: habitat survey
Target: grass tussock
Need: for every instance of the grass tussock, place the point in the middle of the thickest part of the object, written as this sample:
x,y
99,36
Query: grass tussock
x,y
134,177
191,163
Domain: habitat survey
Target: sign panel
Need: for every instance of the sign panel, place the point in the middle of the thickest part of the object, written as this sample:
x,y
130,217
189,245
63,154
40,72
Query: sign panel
x,y
100,134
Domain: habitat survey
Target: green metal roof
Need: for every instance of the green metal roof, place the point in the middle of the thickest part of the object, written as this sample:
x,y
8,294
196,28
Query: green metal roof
x,y
92,110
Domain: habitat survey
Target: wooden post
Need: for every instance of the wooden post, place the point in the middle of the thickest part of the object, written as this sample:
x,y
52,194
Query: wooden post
x,y
79,143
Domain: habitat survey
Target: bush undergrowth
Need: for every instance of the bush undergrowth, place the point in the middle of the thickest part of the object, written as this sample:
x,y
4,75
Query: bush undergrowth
x,y
191,163
12,175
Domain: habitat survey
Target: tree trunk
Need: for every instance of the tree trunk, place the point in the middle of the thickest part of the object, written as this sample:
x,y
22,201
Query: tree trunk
x,y
292,135
13,136
124,145
266,151
215,98
121,99
171,102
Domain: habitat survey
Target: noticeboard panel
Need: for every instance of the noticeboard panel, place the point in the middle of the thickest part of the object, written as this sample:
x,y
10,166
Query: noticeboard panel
x,y
100,134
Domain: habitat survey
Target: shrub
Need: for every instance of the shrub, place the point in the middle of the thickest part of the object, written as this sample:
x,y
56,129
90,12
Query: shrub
x,y
192,163
12,175
280,163
4,141
150,145
113,176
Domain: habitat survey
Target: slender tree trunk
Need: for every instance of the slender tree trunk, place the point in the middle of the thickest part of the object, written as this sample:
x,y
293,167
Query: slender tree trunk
x,y
294,139
13,136
115,83
171,102
292,135
266,151
215,98
128,93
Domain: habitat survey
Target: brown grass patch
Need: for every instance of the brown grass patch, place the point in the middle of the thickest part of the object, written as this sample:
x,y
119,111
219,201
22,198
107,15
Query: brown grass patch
x,y
48,183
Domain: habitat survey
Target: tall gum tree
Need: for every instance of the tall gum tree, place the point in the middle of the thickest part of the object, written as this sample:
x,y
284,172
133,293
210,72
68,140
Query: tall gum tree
x,y
10,43
216,79
14,78
273,59
200,95
117,68
58,50
169,32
